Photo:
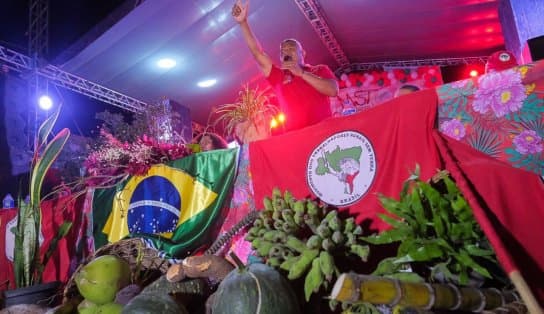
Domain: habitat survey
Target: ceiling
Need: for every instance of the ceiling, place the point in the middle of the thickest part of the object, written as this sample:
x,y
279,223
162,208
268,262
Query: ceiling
x,y
208,44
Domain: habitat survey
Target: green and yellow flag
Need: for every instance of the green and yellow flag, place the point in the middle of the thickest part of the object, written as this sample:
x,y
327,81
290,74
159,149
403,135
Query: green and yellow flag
x,y
173,206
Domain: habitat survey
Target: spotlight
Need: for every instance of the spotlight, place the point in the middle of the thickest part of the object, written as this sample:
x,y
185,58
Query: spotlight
x,y
45,102
273,123
166,63
473,73
207,83
281,117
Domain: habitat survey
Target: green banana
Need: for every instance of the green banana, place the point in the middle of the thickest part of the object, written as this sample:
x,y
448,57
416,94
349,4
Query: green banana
x,y
336,224
313,209
326,263
349,225
273,261
299,207
276,193
267,202
287,196
303,264
327,244
289,262
295,244
338,238
324,231
314,242
269,235
361,250
264,248
299,219
287,215
330,215
313,279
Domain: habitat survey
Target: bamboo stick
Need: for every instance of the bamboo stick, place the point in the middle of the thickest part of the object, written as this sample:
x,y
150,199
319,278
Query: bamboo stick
x,y
525,292
355,288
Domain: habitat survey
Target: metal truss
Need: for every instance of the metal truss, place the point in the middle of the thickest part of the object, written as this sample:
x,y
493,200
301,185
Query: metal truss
x,y
24,64
354,67
312,12
38,30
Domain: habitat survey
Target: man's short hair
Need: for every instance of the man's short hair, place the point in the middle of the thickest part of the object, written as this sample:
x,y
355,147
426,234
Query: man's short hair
x,y
291,40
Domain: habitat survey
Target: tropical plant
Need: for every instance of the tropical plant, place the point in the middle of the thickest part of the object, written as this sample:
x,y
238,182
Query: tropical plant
x,y
435,229
28,265
252,105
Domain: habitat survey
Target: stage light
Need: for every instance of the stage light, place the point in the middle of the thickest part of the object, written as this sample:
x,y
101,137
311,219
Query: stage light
x,y
473,73
206,83
166,63
273,123
281,117
45,102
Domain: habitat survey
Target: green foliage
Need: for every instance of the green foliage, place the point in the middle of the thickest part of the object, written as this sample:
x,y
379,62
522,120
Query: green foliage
x,y
27,264
434,226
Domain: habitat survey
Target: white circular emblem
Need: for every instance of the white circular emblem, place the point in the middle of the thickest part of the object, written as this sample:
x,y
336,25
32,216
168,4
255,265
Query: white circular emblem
x,y
342,168
504,57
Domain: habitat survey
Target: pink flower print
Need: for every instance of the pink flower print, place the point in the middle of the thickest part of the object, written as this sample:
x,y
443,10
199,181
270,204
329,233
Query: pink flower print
x,y
502,92
528,142
453,128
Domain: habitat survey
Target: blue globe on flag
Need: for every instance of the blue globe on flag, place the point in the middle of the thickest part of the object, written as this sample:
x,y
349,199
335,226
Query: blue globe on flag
x,y
154,206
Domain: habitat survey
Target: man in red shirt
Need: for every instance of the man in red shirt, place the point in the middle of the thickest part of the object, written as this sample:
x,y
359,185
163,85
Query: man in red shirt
x,y
303,90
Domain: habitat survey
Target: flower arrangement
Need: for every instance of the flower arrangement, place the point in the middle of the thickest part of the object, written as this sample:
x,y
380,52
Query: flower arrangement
x,y
114,160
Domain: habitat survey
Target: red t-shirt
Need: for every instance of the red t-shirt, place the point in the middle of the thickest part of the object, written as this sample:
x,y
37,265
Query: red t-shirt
x,y
302,104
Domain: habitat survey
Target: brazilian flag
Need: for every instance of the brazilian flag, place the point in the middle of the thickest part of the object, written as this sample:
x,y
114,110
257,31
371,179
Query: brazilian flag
x,y
173,206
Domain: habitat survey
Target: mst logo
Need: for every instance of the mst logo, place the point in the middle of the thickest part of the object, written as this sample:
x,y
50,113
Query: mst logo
x,y
342,168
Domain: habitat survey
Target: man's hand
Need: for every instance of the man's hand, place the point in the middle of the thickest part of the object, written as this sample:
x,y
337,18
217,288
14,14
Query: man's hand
x,y
293,67
240,11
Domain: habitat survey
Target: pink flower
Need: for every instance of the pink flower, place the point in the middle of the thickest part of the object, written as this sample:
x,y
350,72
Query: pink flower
x,y
453,128
528,142
502,92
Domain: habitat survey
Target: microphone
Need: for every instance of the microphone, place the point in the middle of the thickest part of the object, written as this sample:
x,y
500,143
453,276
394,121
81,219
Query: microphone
x,y
287,75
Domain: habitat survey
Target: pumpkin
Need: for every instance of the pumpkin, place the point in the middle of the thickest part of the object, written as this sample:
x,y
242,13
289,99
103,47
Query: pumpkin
x,y
156,298
256,288
147,303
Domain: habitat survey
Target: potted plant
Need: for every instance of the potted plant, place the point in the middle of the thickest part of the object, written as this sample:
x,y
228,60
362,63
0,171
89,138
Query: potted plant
x,y
28,262
248,118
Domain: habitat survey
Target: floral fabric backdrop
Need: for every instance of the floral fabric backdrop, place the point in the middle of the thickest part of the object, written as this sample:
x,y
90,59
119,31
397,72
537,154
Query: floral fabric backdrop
x,y
499,113
363,90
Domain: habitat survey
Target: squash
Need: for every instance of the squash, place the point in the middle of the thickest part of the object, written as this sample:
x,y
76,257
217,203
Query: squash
x,y
146,303
156,297
256,288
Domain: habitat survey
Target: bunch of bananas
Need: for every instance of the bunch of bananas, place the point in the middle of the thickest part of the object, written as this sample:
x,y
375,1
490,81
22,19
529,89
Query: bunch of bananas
x,y
302,237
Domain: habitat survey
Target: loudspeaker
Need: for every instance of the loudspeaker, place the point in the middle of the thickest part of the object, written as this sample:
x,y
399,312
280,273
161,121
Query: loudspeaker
x,y
536,47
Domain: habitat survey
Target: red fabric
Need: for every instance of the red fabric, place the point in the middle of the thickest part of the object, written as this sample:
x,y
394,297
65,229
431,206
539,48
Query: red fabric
x,y
508,203
54,213
391,128
302,104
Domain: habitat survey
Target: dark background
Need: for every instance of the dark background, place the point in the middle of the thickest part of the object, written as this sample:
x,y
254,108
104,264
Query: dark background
x,y
69,21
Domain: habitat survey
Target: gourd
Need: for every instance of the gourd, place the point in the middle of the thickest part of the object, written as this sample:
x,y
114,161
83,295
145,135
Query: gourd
x,y
256,288
156,298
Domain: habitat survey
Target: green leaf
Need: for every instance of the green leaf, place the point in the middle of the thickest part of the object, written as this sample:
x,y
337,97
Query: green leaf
x,y
406,277
43,164
395,223
425,252
388,236
47,126
475,250
387,266
464,258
